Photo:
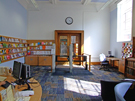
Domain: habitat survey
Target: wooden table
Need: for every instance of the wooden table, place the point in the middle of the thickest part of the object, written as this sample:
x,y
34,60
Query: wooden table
x,y
113,61
36,88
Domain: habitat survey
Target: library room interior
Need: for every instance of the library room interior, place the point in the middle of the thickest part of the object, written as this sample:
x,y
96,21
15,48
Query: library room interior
x,y
67,50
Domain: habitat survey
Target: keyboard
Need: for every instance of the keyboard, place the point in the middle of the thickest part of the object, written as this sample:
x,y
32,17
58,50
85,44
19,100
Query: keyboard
x,y
6,84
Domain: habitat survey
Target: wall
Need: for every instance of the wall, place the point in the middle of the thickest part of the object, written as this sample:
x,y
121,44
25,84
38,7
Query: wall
x,y
13,22
43,23
115,47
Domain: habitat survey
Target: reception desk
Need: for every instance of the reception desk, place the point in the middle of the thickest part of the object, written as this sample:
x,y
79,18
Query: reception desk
x,y
36,88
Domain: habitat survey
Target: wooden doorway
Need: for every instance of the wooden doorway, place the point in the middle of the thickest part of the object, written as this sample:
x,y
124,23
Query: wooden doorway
x,y
63,38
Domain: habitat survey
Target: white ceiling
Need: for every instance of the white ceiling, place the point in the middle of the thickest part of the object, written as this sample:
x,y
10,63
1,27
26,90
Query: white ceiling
x,y
33,4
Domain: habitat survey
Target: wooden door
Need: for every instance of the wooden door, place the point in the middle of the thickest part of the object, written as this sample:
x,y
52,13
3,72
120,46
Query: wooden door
x,y
64,41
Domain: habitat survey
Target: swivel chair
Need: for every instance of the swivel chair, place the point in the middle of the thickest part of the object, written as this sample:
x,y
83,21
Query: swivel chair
x,y
104,62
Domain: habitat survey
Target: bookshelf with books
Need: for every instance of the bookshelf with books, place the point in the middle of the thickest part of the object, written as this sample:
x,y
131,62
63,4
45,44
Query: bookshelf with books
x,y
130,68
39,52
12,48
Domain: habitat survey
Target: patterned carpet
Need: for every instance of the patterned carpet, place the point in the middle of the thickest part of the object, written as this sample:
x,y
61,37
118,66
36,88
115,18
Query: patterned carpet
x,y
73,87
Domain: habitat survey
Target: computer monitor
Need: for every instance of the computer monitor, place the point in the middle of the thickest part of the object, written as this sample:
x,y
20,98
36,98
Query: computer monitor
x,y
109,52
25,73
17,68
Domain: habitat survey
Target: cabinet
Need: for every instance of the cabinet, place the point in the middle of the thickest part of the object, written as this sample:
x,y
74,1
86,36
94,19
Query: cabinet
x,y
39,52
12,48
45,60
130,68
122,66
39,60
31,60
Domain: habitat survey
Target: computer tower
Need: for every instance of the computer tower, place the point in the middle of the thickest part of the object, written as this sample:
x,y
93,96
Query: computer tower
x,y
25,71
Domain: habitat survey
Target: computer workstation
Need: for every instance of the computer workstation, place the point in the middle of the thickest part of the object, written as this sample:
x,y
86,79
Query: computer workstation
x,y
21,78
21,72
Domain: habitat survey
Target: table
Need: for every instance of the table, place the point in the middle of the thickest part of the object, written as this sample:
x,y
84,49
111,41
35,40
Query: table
x,y
113,61
36,88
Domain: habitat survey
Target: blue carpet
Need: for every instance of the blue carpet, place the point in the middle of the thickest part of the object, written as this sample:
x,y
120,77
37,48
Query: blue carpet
x,y
77,87
75,72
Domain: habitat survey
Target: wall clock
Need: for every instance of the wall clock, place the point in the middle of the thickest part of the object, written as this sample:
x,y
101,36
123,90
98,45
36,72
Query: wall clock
x,y
69,20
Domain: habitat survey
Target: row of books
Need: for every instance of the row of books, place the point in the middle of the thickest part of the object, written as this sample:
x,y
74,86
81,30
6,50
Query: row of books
x,y
40,48
4,45
2,38
8,57
130,71
41,43
8,51
39,53
132,64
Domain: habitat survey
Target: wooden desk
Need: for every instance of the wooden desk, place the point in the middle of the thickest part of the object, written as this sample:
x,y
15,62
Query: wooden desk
x,y
113,61
36,88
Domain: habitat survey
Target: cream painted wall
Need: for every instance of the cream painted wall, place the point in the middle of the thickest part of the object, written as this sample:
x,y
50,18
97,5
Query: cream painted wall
x,y
43,23
97,33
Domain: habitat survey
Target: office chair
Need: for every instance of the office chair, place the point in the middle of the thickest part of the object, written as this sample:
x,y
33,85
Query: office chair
x,y
107,90
104,62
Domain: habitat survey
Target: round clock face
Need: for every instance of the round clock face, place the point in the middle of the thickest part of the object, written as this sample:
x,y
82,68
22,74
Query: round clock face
x,y
69,20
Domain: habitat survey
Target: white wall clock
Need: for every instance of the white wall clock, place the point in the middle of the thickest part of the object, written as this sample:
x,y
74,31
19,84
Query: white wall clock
x,y
69,20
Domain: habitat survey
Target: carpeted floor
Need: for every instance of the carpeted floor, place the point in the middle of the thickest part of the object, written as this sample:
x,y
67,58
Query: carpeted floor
x,y
74,87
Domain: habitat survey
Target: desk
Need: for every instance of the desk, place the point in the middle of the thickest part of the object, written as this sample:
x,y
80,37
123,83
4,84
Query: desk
x,y
113,61
36,88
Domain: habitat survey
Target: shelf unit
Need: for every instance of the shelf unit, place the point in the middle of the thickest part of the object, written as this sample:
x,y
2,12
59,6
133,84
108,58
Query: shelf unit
x,y
130,68
39,47
39,52
12,48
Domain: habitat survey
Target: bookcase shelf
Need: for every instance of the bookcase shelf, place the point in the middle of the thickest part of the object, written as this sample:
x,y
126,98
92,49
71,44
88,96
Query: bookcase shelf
x,y
39,52
130,68
12,48
39,47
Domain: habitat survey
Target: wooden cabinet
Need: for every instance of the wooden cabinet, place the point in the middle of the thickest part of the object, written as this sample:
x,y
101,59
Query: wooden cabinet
x,y
12,48
39,60
45,60
130,68
122,66
31,60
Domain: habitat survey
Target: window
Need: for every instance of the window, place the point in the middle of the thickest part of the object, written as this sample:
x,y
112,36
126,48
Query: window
x,y
124,20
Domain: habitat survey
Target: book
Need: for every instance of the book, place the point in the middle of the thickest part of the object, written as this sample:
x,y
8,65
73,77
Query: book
x,y
43,47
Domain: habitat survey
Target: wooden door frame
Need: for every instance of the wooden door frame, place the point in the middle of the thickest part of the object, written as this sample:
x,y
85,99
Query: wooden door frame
x,y
81,32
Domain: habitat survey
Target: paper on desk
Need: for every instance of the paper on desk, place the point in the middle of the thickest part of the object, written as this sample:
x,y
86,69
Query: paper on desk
x,y
2,78
10,96
4,95
26,98
23,99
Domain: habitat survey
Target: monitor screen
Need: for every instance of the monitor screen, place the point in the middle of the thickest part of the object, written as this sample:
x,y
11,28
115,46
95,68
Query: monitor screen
x,y
17,68
25,73
109,52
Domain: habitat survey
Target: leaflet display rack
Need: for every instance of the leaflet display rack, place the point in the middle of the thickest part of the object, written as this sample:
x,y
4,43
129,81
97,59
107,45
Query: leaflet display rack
x,y
12,48
39,52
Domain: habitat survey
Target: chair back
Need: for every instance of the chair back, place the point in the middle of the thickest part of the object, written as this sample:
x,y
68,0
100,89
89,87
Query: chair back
x,y
102,57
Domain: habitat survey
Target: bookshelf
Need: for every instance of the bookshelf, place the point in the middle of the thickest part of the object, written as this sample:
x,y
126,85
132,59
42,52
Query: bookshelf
x,y
12,48
130,68
39,52
39,47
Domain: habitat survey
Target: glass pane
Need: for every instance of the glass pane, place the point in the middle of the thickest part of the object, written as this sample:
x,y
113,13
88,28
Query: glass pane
x,y
75,45
63,45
